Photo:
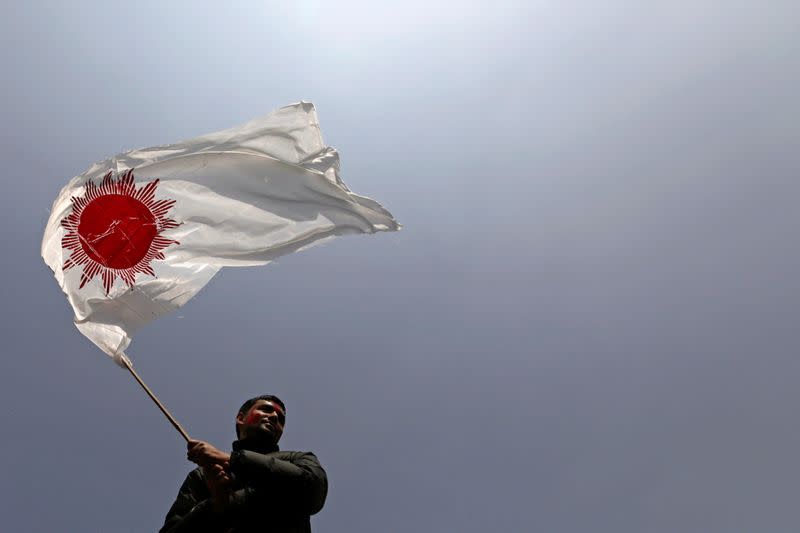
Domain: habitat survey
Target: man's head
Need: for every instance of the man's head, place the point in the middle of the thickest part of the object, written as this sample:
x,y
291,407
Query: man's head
x,y
261,418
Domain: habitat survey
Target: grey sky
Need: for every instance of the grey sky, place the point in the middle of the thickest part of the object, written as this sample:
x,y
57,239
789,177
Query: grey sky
x,y
588,323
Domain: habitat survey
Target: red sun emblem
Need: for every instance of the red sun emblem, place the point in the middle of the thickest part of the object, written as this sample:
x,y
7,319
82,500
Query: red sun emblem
x,y
115,230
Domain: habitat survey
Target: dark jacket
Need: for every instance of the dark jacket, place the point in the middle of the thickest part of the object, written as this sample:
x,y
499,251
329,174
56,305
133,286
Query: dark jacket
x,y
272,492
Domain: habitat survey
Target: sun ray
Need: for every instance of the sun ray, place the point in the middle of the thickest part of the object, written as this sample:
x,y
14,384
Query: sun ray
x,y
114,230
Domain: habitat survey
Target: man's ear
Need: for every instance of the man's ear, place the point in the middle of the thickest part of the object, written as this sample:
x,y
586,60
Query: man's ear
x,y
239,421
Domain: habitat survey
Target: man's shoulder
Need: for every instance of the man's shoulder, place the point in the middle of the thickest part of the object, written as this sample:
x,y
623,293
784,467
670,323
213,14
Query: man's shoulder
x,y
197,472
292,455
195,476
195,483
299,458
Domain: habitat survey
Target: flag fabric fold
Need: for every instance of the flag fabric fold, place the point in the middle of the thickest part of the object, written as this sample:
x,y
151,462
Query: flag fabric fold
x,y
136,236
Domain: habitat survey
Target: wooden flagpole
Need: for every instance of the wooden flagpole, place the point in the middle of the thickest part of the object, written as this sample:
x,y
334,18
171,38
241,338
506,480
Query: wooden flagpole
x,y
160,405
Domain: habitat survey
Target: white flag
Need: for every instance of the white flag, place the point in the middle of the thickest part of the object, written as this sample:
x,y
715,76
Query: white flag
x,y
137,235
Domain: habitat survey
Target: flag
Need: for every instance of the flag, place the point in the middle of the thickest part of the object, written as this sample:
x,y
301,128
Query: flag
x,y
136,236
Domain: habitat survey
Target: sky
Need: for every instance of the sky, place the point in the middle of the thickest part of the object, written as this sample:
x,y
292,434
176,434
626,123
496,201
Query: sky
x,y
587,323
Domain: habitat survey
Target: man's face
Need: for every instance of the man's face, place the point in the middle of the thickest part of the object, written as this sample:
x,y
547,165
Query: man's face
x,y
264,420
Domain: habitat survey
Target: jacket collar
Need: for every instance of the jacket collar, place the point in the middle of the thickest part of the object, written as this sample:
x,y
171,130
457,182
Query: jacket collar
x,y
254,446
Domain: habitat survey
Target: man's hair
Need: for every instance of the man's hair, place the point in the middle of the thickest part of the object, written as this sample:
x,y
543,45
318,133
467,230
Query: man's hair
x,y
268,397
249,403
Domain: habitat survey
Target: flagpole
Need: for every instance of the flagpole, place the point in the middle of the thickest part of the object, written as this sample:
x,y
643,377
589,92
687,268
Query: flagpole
x,y
160,405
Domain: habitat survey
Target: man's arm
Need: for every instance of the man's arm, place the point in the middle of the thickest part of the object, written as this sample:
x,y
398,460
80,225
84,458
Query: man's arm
x,y
296,481
299,480
192,509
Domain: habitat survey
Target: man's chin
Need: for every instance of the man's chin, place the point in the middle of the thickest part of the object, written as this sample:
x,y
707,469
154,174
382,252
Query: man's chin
x,y
266,433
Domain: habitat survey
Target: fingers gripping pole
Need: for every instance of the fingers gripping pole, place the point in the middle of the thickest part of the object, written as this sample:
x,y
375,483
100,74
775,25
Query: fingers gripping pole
x,y
126,362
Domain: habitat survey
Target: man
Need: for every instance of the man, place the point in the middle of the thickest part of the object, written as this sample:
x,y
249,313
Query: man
x,y
255,488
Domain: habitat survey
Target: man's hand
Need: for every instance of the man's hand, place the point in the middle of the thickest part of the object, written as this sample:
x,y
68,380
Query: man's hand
x,y
218,483
206,455
214,463
216,477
